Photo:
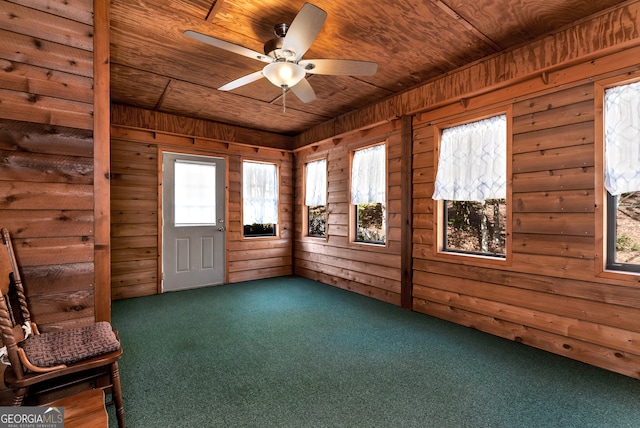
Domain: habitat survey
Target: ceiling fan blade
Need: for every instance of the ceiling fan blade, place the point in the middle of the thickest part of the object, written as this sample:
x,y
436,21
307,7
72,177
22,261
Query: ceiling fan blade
x,y
304,91
227,46
304,29
249,78
339,67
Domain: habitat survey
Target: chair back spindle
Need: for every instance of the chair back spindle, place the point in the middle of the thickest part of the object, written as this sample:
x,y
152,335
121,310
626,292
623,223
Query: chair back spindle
x,y
10,330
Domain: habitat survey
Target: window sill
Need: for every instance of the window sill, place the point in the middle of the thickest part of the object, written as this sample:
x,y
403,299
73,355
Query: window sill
x,y
251,238
315,238
473,259
620,275
382,248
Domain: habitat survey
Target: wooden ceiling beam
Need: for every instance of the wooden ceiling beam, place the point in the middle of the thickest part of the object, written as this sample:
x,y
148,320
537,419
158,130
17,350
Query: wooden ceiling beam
x,y
466,24
215,7
164,94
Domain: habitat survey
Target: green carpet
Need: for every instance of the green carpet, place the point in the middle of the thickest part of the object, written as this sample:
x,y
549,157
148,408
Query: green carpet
x,y
290,352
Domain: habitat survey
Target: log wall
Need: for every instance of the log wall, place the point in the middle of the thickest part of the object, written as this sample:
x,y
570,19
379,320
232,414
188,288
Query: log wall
x,y
47,153
138,139
372,270
550,293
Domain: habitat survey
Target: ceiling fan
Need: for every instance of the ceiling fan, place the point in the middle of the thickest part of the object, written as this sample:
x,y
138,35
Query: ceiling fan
x,y
285,67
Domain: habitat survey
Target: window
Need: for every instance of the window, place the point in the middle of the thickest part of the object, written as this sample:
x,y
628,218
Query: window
x,y
471,182
368,194
622,176
259,199
316,197
195,193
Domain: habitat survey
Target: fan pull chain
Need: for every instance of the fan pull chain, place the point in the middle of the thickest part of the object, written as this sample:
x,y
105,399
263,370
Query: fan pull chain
x,y
284,100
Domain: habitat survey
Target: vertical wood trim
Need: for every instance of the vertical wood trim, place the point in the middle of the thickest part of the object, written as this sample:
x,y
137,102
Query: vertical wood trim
x,y
101,164
600,194
227,202
160,263
406,204
351,227
509,196
295,207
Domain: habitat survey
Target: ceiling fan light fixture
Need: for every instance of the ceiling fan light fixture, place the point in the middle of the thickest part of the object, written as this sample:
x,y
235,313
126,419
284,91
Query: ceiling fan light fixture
x,y
284,74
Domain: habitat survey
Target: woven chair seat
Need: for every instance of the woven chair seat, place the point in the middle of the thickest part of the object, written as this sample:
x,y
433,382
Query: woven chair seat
x,y
70,345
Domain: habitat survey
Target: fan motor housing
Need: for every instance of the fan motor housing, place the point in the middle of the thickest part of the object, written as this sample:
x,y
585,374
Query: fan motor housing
x,y
273,47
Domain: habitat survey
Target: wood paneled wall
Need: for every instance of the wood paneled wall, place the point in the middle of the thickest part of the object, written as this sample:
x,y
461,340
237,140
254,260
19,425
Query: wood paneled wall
x,y
46,147
367,269
135,155
549,295
134,218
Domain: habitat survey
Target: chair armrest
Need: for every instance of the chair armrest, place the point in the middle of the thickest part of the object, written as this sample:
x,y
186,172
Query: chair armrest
x,y
27,364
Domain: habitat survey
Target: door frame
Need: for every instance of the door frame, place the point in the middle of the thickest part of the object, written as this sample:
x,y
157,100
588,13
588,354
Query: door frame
x,y
172,149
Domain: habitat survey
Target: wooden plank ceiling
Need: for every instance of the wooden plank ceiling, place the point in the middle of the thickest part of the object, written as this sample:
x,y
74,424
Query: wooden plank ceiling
x,y
154,66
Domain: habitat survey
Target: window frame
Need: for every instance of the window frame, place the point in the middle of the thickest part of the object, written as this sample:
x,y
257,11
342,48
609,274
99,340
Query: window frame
x,y
176,180
276,234
445,237
352,223
305,207
439,212
612,239
604,200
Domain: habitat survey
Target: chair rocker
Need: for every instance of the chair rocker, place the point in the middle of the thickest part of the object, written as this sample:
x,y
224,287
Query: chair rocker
x,y
40,363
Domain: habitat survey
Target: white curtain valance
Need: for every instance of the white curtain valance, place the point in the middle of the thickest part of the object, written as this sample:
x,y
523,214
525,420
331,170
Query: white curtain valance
x,y
259,193
368,175
622,139
316,183
472,165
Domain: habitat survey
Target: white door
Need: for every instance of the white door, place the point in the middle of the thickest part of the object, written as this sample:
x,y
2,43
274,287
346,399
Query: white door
x,y
193,221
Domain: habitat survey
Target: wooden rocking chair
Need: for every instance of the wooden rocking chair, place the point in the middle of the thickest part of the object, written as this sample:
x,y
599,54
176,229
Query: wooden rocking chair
x,y
48,361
